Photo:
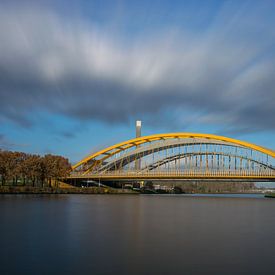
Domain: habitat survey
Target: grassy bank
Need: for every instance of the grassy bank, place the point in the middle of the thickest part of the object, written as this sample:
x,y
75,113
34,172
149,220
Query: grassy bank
x,y
60,190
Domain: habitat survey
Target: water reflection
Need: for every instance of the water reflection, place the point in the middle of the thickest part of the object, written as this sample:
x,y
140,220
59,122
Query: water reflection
x,y
147,234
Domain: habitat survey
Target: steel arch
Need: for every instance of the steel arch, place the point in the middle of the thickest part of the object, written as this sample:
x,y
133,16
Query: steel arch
x,y
140,152
186,155
108,152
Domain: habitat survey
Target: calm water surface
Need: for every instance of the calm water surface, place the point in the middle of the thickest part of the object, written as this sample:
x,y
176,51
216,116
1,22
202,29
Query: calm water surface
x,y
128,234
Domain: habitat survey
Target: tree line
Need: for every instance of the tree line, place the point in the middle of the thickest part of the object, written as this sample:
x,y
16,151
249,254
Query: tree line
x,y
18,168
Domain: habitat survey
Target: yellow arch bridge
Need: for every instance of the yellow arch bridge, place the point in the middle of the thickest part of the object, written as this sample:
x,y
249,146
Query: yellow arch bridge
x,y
182,156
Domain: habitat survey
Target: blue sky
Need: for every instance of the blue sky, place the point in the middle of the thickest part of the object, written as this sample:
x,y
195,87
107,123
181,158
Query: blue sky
x,y
75,75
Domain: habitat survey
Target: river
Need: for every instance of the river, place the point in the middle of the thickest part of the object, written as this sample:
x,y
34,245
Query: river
x,y
137,234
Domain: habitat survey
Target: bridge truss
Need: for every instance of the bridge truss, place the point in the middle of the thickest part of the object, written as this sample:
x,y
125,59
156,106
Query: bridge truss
x,y
179,156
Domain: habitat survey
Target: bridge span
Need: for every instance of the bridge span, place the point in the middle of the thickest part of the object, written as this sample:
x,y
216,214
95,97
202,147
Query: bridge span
x,y
179,156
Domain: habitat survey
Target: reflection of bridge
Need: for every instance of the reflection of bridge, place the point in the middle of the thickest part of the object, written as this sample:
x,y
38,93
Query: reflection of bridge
x,y
179,156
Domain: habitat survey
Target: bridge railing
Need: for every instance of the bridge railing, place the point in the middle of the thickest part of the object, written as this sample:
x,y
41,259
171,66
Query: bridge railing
x,y
187,173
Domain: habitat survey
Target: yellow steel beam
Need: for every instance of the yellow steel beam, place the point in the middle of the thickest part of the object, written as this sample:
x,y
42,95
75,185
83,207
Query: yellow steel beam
x,y
133,142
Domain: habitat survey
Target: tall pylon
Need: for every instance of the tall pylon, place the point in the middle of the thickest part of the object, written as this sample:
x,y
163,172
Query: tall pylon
x,y
138,134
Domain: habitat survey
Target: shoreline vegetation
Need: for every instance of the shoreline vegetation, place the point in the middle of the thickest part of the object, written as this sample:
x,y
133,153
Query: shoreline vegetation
x,y
64,188
60,190
270,195
24,190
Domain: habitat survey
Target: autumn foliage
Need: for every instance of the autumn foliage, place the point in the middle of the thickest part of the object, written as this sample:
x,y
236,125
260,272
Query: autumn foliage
x,y
17,168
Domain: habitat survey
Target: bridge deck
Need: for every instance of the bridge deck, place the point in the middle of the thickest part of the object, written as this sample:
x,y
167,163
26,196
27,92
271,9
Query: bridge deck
x,y
242,175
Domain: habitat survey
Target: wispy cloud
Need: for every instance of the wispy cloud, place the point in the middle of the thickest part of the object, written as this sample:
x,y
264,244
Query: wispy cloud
x,y
6,144
224,73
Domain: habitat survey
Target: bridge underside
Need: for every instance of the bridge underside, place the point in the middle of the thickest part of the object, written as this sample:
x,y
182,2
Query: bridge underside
x,y
180,156
171,176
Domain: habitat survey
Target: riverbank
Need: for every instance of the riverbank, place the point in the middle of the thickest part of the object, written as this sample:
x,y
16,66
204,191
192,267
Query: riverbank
x,y
71,190
102,190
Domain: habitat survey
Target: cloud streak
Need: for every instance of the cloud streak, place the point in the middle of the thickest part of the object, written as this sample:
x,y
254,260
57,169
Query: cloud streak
x,y
224,74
